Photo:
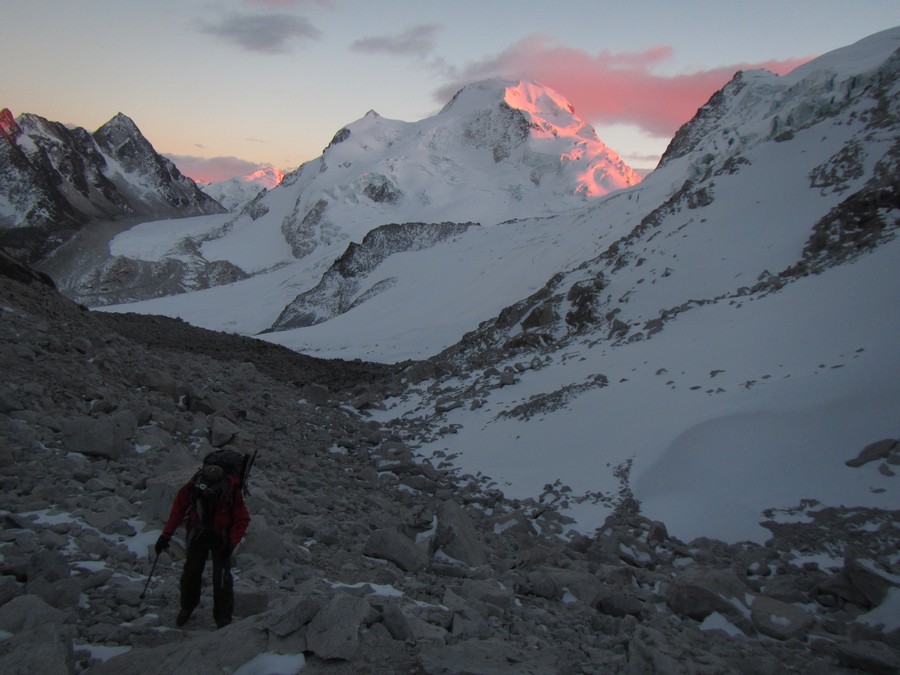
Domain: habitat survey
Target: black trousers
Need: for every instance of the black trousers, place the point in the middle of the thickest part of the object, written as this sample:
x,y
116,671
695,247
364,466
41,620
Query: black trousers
x,y
200,547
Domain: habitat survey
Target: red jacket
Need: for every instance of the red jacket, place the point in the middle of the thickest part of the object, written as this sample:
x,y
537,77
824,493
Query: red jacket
x,y
230,521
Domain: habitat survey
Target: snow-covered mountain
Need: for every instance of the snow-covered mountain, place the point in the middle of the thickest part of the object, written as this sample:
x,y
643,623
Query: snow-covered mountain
x,y
499,150
711,343
236,192
54,180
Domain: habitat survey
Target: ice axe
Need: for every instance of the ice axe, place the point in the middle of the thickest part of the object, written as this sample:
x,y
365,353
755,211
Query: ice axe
x,y
150,576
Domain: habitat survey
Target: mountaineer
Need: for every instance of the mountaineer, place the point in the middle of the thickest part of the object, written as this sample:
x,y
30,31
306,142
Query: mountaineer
x,y
211,504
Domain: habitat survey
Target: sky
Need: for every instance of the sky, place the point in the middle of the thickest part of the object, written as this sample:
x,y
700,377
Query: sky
x,y
224,87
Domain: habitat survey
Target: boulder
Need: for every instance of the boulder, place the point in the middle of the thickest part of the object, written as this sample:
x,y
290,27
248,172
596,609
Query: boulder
x,y
389,544
334,631
263,541
446,404
222,431
869,656
620,604
26,612
779,620
159,380
649,651
870,579
456,536
700,591
584,586
287,620
95,437
403,624
249,602
487,592
45,649
316,394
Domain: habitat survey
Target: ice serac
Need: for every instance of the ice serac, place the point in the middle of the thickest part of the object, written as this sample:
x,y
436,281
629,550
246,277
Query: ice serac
x,y
55,180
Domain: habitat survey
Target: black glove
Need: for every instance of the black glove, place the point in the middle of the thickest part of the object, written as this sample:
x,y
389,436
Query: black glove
x,y
161,544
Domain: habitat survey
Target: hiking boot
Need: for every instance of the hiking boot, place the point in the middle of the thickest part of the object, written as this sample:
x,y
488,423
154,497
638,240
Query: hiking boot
x,y
183,616
221,623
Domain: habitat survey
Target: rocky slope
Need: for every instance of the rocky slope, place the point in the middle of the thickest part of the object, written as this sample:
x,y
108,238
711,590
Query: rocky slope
x,y
362,557
54,180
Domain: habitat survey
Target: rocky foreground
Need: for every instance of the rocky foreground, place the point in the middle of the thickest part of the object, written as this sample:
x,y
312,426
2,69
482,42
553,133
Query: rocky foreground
x,y
362,557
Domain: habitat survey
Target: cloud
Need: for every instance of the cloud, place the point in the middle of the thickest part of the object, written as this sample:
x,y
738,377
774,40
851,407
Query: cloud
x,y
414,41
267,33
289,3
609,88
214,169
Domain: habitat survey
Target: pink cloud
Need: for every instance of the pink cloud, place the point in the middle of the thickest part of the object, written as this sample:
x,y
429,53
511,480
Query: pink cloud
x,y
612,88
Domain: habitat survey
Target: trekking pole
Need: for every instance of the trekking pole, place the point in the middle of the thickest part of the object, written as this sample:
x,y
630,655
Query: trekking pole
x,y
149,577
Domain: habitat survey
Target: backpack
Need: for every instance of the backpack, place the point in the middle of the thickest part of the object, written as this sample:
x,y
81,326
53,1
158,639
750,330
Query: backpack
x,y
233,463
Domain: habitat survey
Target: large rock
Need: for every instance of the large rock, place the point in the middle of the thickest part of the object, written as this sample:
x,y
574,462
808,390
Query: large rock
x,y
870,579
221,651
222,431
161,381
870,657
778,619
95,437
404,624
26,612
334,631
45,649
700,591
287,620
40,643
389,544
264,541
456,536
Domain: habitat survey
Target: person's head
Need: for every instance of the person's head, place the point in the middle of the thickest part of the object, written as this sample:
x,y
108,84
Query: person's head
x,y
211,480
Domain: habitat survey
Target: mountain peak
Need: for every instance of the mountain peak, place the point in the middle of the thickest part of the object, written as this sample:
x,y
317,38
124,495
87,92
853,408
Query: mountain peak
x,y
507,114
119,126
8,127
525,95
